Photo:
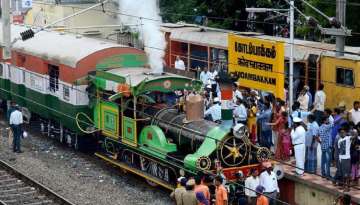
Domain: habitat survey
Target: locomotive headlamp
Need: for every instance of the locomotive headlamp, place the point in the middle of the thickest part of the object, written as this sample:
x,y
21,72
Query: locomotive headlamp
x,y
182,172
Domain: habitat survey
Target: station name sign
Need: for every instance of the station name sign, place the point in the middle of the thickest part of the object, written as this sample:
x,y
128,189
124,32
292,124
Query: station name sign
x,y
257,63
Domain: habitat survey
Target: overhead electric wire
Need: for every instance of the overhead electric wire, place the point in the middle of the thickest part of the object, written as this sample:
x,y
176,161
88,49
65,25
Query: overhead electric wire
x,y
288,43
174,14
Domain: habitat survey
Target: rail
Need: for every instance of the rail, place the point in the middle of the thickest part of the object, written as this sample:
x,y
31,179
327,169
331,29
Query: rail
x,y
15,184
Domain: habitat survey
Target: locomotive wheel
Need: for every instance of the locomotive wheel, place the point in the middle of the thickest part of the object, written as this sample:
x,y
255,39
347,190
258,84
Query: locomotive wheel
x,y
233,151
263,154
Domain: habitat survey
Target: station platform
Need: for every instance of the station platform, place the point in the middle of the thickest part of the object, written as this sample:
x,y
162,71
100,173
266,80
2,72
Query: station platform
x,y
312,189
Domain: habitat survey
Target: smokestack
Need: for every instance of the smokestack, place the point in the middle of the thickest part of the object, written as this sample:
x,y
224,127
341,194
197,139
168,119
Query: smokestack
x,y
150,21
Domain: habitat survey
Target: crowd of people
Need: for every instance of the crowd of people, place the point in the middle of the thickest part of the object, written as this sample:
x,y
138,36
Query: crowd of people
x,y
318,138
254,189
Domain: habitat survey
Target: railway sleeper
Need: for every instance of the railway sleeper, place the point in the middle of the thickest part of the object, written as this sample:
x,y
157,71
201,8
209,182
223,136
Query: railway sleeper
x,y
17,190
11,186
28,202
19,196
40,202
9,180
4,176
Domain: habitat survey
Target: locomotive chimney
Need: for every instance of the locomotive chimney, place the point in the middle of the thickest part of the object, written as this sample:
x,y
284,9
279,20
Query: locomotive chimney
x,y
194,108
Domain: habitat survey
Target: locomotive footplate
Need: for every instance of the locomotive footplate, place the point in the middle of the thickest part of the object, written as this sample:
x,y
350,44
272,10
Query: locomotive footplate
x,y
138,172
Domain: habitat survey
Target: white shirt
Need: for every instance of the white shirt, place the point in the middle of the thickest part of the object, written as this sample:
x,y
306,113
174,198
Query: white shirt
x,y
344,147
179,64
304,101
355,116
237,94
212,76
269,182
319,102
204,77
214,111
16,118
298,135
240,113
250,184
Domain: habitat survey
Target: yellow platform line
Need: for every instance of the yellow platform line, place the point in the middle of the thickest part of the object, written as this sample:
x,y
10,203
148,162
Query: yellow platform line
x,y
137,172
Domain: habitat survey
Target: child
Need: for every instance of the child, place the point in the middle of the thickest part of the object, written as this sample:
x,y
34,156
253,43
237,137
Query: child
x,y
261,199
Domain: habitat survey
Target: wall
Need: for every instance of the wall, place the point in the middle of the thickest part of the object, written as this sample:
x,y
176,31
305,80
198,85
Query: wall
x,y
42,14
307,195
334,91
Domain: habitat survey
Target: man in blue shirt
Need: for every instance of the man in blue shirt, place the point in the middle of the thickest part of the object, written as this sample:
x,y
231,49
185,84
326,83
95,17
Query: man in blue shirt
x,y
311,144
264,118
326,145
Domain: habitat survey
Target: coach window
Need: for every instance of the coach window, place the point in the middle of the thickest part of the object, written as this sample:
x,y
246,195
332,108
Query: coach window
x,y
1,69
53,77
345,76
66,93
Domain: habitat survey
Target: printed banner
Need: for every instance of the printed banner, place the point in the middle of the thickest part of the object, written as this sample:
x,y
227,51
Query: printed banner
x,y
257,64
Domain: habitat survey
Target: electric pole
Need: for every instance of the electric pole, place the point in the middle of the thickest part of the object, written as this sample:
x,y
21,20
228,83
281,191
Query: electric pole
x,y
341,16
291,60
6,30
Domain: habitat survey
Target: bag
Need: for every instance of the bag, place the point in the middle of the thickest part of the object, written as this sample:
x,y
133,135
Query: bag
x,y
25,134
10,137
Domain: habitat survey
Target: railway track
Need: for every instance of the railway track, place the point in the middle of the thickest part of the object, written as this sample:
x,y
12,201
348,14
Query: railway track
x,y
16,188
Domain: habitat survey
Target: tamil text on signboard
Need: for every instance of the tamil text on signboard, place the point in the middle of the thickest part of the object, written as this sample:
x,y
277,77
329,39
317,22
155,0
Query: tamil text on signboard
x,y
257,64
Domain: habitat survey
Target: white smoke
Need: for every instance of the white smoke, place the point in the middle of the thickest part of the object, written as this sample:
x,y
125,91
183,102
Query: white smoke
x,y
150,33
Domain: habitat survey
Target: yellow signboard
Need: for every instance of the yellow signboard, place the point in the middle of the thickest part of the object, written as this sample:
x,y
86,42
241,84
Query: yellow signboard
x,y
257,64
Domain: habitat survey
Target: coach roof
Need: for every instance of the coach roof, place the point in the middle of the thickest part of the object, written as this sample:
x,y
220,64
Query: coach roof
x,y
63,48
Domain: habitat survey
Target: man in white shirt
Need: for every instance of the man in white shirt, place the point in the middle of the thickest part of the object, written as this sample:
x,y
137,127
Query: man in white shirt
x,y
179,64
240,113
16,120
355,113
319,103
303,99
236,93
214,111
269,181
344,144
250,184
213,74
204,76
298,135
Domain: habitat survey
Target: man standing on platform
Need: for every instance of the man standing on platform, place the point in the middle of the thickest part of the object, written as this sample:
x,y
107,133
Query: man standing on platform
x,y
326,145
319,103
298,134
16,121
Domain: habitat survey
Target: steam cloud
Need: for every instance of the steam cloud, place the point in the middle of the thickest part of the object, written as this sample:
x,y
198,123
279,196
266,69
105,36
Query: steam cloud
x,y
153,38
